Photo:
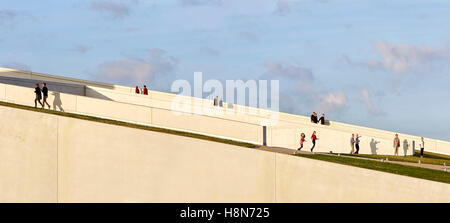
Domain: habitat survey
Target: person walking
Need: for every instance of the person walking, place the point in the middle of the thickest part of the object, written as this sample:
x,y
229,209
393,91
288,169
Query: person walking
x,y
45,93
38,93
396,144
352,144
422,148
302,140
357,143
145,91
313,140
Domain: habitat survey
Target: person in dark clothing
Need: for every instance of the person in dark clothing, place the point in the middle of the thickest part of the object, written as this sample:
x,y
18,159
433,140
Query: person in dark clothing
x,y
216,101
38,93
322,119
357,143
145,91
422,146
313,140
314,117
45,93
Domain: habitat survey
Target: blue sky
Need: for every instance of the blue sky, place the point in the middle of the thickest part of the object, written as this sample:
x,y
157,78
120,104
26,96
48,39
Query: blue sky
x,y
382,64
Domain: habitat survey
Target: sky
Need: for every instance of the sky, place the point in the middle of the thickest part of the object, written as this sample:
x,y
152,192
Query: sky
x,y
376,63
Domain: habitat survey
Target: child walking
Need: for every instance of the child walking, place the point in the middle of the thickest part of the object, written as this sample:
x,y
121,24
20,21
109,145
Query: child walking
x,y
302,140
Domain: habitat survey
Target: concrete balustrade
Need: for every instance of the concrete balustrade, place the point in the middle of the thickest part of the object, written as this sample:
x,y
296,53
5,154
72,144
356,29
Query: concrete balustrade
x,y
184,121
335,136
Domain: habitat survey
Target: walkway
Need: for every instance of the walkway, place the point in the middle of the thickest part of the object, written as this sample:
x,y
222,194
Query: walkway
x,y
291,152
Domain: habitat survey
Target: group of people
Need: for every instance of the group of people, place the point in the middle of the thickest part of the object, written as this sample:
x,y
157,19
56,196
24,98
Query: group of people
x,y
218,102
39,92
354,143
314,118
313,140
143,91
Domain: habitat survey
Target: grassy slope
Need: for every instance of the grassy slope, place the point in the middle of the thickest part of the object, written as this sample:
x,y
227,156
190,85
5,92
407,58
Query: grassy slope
x,y
418,172
428,157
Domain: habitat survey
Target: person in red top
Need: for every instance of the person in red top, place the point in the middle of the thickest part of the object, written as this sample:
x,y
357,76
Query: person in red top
x,y
145,91
137,90
313,139
302,140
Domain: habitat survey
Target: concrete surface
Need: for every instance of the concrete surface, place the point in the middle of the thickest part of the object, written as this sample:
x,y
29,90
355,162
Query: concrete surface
x,y
48,158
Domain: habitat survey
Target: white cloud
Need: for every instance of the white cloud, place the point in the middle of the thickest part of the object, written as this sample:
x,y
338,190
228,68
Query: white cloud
x,y
114,10
250,37
306,93
332,102
137,70
200,2
283,7
18,66
289,70
403,59
6,16
80,49
366,98
208,51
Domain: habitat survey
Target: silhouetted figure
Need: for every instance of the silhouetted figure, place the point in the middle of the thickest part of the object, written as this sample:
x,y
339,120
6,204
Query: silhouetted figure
x,y
313,140
405,147
373,146
145,90
38,93
314,117
396,144
137,91
322,119
220,103
357,143
45,93
57,102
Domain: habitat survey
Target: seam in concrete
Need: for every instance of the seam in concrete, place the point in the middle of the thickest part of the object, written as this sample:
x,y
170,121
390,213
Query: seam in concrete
x,y
275,183
57,159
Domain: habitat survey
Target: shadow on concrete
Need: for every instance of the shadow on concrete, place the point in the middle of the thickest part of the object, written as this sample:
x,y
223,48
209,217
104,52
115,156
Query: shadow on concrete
x,y
405,147
373,146
74,89
57,102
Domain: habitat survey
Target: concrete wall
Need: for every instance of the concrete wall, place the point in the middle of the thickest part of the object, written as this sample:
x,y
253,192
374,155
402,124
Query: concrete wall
x,y
285,133
56,86
48,158
28,152
308,180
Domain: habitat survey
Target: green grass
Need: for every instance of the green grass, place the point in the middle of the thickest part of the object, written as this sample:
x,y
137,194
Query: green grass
x,y
411,171
432,155
130,125
428,157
